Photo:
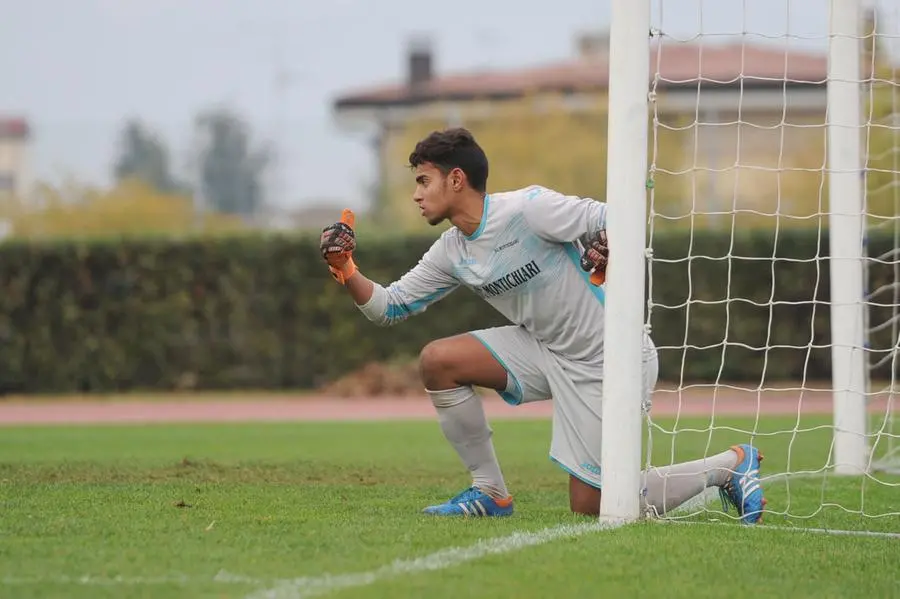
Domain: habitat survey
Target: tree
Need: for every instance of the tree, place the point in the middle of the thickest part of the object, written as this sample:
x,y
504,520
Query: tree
x,y
883,116
232,174
541,138
132,207
144,156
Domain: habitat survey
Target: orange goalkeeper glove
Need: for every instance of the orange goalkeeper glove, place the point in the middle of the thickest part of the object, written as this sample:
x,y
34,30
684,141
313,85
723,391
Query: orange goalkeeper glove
x,y
337,244
596,257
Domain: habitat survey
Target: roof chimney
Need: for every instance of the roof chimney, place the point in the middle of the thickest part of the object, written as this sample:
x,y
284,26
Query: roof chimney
x,y
593,45
419,66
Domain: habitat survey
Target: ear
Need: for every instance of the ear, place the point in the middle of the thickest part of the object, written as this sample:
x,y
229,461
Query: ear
x,y
457,179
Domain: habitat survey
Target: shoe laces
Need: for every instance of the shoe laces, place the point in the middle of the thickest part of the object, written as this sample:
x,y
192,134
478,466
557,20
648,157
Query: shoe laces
x,y
468,494
726,498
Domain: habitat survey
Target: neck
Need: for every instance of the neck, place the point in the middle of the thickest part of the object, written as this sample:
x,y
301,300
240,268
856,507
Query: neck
x,y
467,216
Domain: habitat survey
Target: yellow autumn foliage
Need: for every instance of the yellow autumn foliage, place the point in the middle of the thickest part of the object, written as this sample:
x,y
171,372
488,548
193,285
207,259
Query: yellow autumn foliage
x,y
882,146
128,209
751,169
547,139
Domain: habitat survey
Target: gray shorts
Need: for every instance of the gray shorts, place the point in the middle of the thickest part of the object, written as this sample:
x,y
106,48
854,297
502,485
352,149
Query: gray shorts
x,y
576,388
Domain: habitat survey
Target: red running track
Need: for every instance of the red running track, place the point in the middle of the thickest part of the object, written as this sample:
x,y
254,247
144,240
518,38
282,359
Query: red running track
x,y
692,401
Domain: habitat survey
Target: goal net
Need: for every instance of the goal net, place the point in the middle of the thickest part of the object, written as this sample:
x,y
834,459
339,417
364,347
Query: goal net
x,y
773,199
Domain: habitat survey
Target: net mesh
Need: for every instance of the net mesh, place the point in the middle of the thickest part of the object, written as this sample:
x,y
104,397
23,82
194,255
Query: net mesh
x,y
739,214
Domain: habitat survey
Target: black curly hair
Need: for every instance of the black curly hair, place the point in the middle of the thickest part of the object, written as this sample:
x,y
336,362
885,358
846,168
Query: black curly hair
x,y
453,148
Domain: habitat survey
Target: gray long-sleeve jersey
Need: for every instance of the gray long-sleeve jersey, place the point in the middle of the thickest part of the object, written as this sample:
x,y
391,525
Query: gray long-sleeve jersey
x,y
524,261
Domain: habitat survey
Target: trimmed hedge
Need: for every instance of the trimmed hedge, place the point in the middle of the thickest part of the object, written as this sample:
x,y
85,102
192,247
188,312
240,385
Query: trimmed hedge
x,y
776,322
263,313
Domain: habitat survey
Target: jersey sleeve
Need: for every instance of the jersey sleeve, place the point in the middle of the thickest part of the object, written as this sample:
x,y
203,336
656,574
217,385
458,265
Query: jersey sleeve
x,y
554,216
426,283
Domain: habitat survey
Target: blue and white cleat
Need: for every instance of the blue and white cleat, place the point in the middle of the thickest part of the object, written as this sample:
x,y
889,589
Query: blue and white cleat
x,y
473,502
743,490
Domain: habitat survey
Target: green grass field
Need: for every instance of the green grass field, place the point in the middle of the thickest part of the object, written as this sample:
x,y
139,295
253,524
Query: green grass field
x,y
302,510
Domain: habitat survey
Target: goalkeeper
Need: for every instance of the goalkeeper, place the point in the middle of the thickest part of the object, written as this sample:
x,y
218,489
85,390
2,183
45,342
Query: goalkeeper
x,y
539,258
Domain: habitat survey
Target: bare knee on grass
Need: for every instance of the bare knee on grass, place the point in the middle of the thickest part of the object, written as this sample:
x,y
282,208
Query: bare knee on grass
x,y
457,361
583,498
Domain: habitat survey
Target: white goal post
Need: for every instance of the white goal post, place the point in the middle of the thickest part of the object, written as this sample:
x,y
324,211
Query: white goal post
x,y
847,234
764,86
629,61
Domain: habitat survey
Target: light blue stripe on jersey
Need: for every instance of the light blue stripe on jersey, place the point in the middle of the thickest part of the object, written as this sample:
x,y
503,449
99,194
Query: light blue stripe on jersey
x,y
575,257
481,225
402,311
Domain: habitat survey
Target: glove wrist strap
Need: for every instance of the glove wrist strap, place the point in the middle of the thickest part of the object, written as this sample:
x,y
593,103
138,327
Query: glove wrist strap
x,y
342,274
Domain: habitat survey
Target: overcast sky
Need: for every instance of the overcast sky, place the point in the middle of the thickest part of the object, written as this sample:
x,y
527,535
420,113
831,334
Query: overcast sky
x,y
76,68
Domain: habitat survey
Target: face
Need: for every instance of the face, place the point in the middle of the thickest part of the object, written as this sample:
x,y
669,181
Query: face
x,y
434,192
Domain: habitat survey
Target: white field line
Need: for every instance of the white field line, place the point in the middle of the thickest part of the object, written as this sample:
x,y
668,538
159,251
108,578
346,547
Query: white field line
x,y
824,531
300,588
311,586
698,503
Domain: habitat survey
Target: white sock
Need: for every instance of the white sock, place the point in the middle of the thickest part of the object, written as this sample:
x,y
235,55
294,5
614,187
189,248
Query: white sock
x,y
465,426
670,486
